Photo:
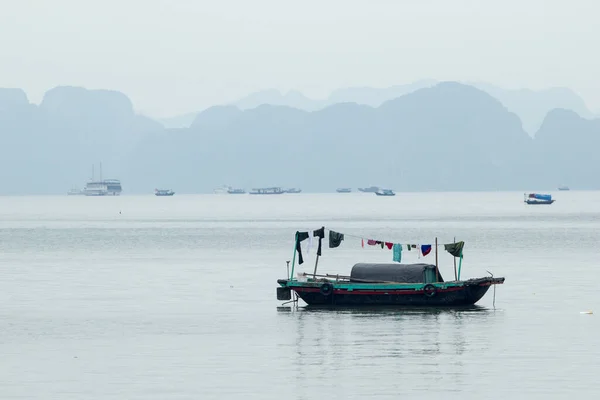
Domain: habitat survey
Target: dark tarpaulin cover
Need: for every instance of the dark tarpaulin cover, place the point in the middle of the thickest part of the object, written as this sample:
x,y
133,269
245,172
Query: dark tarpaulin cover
x,y
405,273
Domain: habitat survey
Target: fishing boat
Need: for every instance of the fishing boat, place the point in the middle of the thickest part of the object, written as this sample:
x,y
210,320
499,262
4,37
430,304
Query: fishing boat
x,y
536,198
236,191
393,284
385,192
563,188
293,190
270,190
344,190
163,192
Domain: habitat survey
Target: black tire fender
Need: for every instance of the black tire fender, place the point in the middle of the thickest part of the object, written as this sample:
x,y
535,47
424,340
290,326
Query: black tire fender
x,y
429,290
326,289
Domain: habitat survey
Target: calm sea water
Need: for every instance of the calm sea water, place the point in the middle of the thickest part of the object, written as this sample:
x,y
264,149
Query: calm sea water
x,y
144,297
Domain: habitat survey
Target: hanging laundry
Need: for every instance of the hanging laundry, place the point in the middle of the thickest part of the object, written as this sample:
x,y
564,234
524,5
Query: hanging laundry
x,y
362,243
425,249
408,247
310,242
389,245
379,242
455,248
371,242
397,249
300,236
414,246
335,239
320,233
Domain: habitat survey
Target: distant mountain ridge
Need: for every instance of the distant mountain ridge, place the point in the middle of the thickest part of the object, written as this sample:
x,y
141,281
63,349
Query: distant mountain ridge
x,y
530,105
449,136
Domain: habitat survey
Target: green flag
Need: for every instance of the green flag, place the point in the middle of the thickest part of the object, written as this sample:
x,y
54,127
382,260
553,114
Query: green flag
x,y
455,248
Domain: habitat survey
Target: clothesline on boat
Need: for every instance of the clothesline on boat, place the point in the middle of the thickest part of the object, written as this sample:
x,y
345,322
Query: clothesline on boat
x,y
364,237
385,241
336,239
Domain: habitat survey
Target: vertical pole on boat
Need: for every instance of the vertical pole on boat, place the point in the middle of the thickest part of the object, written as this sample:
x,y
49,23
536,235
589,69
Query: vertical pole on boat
x,y
437,271
294,259
459,264
316,263
454,259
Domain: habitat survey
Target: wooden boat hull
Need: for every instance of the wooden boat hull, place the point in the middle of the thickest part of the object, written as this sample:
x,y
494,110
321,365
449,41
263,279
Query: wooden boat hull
x,y
539,202
461,293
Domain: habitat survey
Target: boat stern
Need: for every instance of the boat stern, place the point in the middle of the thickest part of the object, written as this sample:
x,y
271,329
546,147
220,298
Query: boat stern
x,y
284,293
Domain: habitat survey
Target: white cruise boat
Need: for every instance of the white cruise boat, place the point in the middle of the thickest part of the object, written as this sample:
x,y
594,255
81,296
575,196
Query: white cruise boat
x,y
102,187
222,189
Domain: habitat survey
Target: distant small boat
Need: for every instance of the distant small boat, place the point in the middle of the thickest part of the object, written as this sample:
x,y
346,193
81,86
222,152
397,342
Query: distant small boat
x,y
563,188
293,190
270,190
236,191
163,192
538,199
344,190
371,189
385,192
75,192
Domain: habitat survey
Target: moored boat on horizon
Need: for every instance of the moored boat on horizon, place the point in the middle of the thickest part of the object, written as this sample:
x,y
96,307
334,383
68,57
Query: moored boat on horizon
x,y
344,190
370,189
163,192
221,189
538,199
269,190
102,187
385,192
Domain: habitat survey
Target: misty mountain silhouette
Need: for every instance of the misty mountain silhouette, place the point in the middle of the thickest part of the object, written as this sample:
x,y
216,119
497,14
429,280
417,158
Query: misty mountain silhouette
x,y
530,105
450,136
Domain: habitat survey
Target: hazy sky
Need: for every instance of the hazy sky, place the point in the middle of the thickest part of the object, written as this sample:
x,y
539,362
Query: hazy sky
x,y
176,56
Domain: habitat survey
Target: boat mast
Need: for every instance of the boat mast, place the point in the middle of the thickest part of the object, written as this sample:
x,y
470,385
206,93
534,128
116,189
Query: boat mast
x,y
294,258
437,270
454,259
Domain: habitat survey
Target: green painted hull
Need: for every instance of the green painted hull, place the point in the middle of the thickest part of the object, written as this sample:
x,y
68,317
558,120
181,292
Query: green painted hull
x,y
347,293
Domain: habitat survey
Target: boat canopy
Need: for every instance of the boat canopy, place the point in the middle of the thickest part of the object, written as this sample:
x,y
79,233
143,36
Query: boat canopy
x,y
405,273
540,196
